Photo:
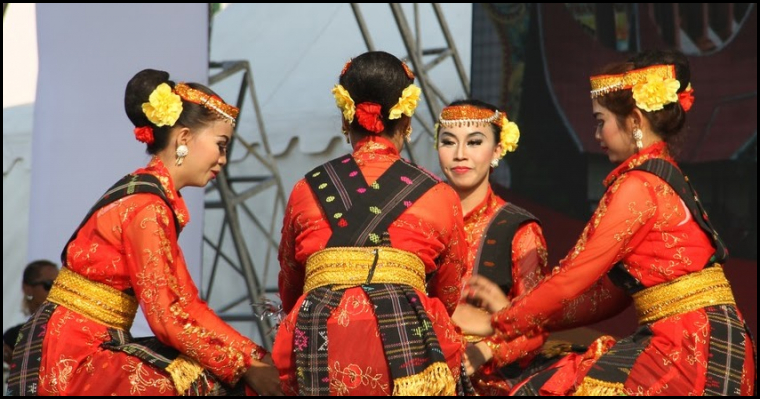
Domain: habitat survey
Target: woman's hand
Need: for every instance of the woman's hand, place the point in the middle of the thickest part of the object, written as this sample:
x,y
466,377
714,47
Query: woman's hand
x,y
484,293
263,377
472,320
475,356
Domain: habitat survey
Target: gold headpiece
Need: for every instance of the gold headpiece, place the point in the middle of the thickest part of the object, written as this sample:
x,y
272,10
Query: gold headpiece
x,y
470,115
227,112
652,87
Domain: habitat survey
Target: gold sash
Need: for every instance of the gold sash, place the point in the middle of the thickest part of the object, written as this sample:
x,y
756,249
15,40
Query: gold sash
x,y
94,300
346,267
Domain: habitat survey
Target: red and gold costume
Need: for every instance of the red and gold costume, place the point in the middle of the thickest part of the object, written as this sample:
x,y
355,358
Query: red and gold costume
x,y
126,254
691,339
528,267
429,231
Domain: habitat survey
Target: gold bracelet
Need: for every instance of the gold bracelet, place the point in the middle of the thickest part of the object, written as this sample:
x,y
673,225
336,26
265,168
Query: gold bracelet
x,y
494,351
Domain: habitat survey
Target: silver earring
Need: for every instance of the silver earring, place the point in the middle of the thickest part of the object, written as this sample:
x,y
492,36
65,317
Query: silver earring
x,y
29,297
494,162
181,154
638,135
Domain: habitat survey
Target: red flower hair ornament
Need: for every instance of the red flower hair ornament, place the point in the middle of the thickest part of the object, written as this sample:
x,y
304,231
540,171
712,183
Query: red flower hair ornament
x,y
144,134
369,117
686,98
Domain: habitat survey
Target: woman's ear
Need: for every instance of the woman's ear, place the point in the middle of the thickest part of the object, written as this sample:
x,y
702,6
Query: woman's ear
x,y
183,136
637,118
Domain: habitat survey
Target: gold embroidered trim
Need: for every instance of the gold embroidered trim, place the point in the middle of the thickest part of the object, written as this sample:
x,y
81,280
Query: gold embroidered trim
x,y
693,291
93,300
436,380
593,387
184,371
346,267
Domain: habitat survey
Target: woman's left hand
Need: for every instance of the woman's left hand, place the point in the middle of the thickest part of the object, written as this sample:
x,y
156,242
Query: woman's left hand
x,y
475,356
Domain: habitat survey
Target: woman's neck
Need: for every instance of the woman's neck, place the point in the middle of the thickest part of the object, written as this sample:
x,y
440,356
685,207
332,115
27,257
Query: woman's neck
x,y
169,160
473,197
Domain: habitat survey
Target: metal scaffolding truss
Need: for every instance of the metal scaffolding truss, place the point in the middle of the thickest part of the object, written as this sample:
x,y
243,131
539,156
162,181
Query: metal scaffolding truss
x,y
251,205
242,246
422,59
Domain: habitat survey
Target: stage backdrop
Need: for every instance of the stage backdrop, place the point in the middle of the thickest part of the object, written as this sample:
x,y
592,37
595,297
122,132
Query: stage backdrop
x,y
83,141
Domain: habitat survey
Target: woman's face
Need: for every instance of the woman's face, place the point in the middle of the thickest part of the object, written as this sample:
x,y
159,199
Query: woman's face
x,y
465,154
206,153
616,141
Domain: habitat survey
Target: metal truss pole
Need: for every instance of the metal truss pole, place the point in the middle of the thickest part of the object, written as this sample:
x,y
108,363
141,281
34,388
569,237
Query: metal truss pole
x,y
241,228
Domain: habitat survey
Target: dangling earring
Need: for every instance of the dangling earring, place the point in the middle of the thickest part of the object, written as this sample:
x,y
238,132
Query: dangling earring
x,y
345,133
408,134
181,154
29,297
495,162
638,135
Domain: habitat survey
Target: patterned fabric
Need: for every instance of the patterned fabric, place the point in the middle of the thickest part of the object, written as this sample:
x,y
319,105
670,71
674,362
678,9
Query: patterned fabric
x,y
26,362
366,216
496,246
643,225
131,246
27,355
373,192
668,172
128,185
362,213
501,237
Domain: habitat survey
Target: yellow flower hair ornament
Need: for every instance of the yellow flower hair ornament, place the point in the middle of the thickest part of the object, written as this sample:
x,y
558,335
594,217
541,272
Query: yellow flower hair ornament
x,y
344,102
163,107
407,103
655,91
510,135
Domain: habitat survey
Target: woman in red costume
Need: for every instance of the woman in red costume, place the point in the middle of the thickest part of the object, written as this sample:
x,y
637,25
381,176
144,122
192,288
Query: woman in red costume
x,y
505,242
651,238
372,255
125,254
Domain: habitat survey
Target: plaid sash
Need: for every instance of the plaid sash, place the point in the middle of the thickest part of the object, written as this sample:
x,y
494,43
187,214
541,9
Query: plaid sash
x,y
27,357
27,354
151,351
360,215
494,257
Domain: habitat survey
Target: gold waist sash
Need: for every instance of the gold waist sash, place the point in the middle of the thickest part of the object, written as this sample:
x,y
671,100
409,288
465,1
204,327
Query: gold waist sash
x,y
693,291
346,267
96,301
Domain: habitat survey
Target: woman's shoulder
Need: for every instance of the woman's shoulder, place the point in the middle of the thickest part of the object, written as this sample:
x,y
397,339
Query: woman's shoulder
x,y
444,190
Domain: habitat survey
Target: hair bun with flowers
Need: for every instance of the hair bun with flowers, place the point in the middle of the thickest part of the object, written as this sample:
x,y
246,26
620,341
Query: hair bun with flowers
x,y
471,115
369,115
164,108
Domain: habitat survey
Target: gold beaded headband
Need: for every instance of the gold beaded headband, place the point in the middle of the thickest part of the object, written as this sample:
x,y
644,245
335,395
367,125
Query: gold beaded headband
x,y
467,115
227,112
653,87
603,84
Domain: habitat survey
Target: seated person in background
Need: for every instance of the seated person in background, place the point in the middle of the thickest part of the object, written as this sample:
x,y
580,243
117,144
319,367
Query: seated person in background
x,y
38,278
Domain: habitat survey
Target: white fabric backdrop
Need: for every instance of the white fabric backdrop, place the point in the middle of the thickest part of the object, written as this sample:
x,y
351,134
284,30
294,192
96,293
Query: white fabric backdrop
x,y
82,140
